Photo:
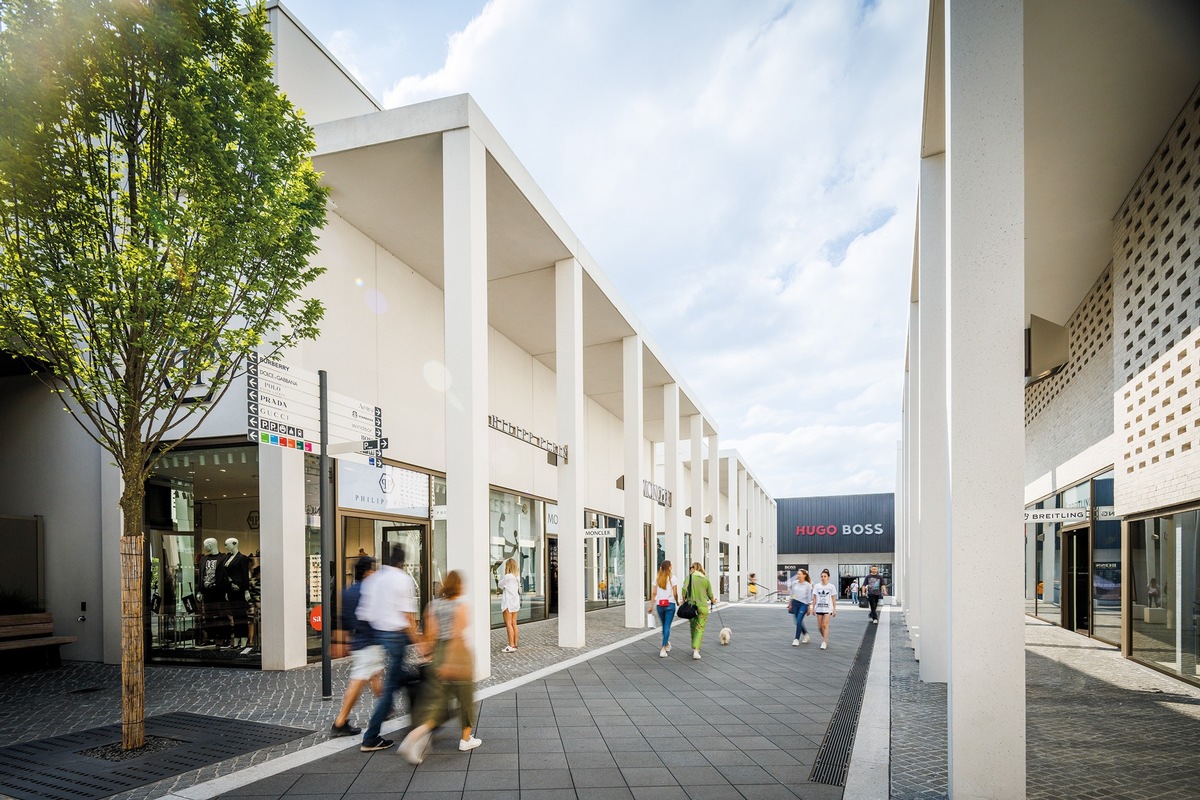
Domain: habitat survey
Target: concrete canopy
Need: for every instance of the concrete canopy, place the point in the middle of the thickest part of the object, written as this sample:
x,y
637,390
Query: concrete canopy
x,y
384,170
1103,80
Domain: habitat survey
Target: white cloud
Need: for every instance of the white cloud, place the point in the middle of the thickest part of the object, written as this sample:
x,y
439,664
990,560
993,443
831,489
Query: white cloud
x,y
746,175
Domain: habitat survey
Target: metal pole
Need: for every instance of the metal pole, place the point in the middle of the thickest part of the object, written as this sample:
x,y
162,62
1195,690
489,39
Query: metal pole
x,y
327,556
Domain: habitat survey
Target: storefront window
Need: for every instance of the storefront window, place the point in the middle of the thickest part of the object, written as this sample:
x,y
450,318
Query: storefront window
x,y
516,532
1106,563
603,561
1165,600
202,599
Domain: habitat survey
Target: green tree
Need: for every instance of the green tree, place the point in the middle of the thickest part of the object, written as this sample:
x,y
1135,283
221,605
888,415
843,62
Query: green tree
x,y
158,208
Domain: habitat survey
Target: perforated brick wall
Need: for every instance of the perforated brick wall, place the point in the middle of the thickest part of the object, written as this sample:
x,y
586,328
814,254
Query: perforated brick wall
x,y
1156,268
1073,410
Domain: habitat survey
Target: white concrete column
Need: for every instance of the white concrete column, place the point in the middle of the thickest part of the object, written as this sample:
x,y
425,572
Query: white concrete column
x,y
635,594
900,571
733,516
283,567
916,616
985,211
748,533
716,531
568,282
465,309
672,480
696,463
932,450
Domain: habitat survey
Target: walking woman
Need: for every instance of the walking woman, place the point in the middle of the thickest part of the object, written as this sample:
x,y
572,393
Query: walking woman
x,y
824,605
510,602
451,672
699,591
666,598
802,597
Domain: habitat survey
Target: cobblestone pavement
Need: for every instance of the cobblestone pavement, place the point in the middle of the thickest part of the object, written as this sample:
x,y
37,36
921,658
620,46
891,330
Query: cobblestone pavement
x,y
1098,725
82,695
745,721
918,723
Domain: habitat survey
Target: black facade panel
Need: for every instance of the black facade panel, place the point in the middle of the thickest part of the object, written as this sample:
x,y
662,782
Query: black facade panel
x,y
856,523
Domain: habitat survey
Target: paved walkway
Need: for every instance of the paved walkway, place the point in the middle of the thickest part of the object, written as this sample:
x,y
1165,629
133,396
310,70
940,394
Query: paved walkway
x,y
613,720
746,720
1097,725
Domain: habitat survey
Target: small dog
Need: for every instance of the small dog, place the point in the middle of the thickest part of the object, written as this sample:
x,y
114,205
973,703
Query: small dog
x,y
726,635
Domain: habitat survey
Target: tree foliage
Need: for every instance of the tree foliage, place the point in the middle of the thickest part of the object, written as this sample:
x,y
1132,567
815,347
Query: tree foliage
x,y
157,212
157,207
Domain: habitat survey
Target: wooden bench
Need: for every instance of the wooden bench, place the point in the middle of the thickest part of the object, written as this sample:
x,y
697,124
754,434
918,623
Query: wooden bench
x,y
31,632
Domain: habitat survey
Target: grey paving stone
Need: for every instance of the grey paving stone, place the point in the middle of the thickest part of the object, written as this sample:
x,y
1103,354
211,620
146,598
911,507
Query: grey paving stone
x,y
546,779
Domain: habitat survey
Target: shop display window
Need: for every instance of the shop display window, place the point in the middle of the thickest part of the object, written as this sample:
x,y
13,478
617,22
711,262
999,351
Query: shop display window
x,y
516,531
604,562
1164,596
202,547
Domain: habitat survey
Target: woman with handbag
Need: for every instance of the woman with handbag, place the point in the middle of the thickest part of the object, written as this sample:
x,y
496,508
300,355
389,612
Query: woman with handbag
x,y
451,672
699,592
666,598
802,596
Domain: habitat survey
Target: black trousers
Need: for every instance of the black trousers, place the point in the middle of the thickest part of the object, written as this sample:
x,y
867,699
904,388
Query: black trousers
x,y
873,599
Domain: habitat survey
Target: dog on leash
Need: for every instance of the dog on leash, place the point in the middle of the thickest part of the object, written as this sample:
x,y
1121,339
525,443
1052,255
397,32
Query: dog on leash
x,y
725,635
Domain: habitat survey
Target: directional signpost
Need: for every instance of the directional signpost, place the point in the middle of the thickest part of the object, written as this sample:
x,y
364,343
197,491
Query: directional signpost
x,y
293,408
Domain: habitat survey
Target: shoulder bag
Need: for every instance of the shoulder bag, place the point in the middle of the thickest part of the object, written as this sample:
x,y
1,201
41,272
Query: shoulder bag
x,y
688,608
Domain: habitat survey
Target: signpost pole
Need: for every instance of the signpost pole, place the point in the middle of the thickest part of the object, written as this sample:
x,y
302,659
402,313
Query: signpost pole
x,y
327,522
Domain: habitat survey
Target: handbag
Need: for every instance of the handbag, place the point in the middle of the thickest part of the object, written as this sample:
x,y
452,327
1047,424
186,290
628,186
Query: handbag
x,y
793,607
456,664
688,608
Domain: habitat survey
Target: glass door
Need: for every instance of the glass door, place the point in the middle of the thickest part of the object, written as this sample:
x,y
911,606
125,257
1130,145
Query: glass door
x,y
1077,580
375,538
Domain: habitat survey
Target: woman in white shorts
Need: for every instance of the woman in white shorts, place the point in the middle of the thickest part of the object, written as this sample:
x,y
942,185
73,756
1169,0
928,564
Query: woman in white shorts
x,y
824,606
510,602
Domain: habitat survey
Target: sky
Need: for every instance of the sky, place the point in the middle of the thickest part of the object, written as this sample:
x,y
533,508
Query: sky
x,y
743,171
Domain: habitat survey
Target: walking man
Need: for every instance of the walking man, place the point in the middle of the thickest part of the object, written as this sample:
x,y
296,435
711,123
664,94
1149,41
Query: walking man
x,y
367,659
389,605
875,588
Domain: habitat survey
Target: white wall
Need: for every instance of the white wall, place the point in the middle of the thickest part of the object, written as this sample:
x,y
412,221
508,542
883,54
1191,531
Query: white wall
x,y
50,468
312,81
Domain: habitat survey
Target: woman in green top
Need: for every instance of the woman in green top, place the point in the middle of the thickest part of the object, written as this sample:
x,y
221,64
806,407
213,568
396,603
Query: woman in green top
x,y
699,590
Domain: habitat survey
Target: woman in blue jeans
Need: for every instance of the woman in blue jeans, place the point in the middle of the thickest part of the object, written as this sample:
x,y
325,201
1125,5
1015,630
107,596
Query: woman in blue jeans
x,y
802,594
666,598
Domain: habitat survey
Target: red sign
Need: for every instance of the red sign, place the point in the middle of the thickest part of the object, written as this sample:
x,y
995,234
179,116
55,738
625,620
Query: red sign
x,y
314,618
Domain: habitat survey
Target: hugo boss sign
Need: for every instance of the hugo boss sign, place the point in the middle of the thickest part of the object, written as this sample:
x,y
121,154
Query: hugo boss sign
x,y
846,530
859,523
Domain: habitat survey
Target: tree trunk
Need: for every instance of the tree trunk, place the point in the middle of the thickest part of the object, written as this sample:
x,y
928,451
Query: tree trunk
x,y
133,656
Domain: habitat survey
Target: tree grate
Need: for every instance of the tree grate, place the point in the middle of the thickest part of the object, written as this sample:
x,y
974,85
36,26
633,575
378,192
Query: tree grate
x,y
55,769
833,758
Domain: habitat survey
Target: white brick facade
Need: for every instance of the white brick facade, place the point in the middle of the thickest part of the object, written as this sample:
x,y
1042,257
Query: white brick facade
x,y
1156,263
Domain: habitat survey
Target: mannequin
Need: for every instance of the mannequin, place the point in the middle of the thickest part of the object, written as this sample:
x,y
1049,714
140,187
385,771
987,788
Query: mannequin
x,y
214,620
235,568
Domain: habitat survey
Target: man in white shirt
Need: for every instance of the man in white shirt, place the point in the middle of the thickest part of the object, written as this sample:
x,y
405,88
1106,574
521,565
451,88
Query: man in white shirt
x,y
389,606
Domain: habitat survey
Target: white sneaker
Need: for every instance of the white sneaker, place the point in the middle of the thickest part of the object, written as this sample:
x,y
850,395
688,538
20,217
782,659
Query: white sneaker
x,y
876,621
795,642
469,744
804,639
509,649
668,647
695,655
413,747
662,653
823,646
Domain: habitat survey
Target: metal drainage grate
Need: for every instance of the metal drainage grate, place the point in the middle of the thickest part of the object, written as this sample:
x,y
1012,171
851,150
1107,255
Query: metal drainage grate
x,y
54,769
834,756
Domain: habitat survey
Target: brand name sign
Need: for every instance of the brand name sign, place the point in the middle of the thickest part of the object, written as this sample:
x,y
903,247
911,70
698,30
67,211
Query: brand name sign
x,y
540,442
868,529
656,493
